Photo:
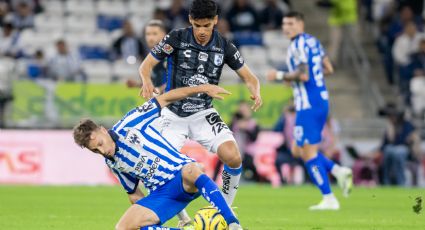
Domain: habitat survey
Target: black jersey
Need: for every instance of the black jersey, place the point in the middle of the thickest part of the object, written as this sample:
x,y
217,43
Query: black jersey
x,y
159,74
190,64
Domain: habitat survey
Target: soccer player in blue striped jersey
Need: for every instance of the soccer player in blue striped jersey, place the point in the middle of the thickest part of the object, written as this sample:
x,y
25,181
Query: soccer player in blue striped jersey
x,y
307,64
135,151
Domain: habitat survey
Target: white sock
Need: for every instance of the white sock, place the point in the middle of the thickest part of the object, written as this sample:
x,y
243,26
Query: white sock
x,y
182,215
231,179
336,170
329,196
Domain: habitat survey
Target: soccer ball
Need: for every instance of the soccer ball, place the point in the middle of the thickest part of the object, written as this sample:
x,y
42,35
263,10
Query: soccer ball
x,y
209,218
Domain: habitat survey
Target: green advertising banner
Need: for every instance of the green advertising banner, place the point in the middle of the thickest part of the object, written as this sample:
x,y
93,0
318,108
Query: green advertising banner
x,y
107,103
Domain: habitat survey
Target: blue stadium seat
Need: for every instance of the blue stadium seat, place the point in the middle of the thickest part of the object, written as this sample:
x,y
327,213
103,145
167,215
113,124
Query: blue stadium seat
x,y
247,38
94,52
109,23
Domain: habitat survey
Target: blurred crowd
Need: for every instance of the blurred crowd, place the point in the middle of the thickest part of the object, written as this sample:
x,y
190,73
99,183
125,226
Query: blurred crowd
x,y
400,37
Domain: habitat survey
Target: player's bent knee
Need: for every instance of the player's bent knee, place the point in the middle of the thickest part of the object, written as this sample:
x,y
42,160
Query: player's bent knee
x,y
191,172
229,154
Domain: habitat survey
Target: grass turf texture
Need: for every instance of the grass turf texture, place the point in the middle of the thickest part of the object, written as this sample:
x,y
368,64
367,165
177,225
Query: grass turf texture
x,y
259,207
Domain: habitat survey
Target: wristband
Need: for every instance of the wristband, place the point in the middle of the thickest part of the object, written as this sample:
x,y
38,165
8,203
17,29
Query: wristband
x,y
280,75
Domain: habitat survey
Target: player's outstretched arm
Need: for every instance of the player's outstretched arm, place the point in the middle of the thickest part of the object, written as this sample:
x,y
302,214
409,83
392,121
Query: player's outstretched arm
x,y
145,70
327,66
253,85
171,96
300,74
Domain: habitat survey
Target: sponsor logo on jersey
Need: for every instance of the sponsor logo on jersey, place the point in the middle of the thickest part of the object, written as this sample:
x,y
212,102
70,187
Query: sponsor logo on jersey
x,y
218,59
189,107
187,53
184,44
153,168
214,72
167,49
144,108
203,56
201,69
184,65
216,49
197,79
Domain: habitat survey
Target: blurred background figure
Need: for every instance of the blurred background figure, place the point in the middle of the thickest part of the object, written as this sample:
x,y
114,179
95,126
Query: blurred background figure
x,y
23,17
417,86
290,168
404,47
399,146
64,65
153,33
271,15
177,14
9,45
243,17
343,28
128,47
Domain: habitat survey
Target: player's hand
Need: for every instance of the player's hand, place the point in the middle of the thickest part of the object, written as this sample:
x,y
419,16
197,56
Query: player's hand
x,y
303,77
258,102
147,90
215,91
271,75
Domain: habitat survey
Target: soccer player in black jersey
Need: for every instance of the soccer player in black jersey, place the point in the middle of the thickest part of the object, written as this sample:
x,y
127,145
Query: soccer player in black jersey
x,y
195,56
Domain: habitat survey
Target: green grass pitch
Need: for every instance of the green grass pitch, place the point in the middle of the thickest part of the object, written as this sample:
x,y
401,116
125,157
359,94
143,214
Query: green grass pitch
x,y
259,207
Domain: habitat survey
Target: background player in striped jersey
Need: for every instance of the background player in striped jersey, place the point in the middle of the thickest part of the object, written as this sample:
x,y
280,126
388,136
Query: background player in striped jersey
x,y
136,151
307,64
196,55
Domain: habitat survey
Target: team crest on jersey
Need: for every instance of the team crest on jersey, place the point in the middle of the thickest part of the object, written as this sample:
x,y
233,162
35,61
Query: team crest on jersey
x,y
218,59
203,56
201,69
167,49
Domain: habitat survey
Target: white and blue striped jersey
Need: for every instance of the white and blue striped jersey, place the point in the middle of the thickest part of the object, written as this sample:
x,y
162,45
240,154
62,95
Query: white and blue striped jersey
x,y
141,153
312,94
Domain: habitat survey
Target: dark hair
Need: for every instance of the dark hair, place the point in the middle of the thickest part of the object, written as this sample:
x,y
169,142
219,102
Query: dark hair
x,y
156,23
201,9
83,131
295,14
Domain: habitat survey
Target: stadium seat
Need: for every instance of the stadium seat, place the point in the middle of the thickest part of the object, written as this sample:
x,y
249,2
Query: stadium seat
x,y
53,7
122,71
111,8
80,23
98,48
247,38
49,23
275,38
31,40
143,8
257,59
138,23
81,7
97,71
109,22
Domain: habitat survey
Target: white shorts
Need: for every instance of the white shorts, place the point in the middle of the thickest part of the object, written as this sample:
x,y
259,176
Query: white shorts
x,y
205,127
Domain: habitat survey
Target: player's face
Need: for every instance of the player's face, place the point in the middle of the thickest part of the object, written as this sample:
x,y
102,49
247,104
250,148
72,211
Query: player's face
x,y
101,143
203,29
292,27
153,35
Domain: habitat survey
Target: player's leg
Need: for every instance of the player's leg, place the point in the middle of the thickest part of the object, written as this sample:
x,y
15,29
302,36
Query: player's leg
x,y
175,129
137,217
209,130
195,180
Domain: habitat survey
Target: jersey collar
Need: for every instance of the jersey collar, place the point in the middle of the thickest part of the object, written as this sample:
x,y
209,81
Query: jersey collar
x,y
115,138
298,35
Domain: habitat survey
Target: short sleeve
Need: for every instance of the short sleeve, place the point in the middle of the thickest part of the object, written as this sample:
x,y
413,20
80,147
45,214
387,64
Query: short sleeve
x,y
322,51
232,56
128,182
166,46
139,116
301,50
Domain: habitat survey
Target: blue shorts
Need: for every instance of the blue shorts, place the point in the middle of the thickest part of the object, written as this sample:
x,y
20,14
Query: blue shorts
x,y
309,125
169,199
